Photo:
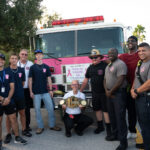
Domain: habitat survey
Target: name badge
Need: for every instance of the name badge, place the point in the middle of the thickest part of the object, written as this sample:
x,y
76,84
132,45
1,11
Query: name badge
x,y
3,89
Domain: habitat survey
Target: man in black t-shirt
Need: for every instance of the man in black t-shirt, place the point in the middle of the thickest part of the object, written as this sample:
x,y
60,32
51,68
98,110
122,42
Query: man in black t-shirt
x,y
95,73
18,97
6,102
39,77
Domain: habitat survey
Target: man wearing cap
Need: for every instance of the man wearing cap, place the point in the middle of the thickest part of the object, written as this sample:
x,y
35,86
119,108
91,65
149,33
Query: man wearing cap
x,y
140,91
39,76
73,111
7,105
26,64
131,59
115,87
96,72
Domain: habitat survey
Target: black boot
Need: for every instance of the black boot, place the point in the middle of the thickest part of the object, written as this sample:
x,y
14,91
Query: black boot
x,y
108,131
123,145
139,145
100,127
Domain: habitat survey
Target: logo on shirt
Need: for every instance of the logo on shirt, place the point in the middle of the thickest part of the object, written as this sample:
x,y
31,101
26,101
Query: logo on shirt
x,y
112,69
142,69
44,69
7,76
20,75
100,72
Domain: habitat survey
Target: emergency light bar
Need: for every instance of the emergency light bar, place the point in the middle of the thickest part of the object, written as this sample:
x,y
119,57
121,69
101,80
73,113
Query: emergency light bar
x,y
78,20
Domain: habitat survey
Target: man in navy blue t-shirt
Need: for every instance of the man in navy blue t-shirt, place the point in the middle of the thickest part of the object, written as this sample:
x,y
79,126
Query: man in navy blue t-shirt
x,y
6,102
39,78
18,97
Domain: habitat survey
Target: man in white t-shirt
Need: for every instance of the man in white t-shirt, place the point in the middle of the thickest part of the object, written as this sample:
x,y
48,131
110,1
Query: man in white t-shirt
x,y
26,64
73,117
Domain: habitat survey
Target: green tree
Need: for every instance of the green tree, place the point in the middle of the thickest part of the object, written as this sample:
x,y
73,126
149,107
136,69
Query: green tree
x,y
139,32
46,20
17,23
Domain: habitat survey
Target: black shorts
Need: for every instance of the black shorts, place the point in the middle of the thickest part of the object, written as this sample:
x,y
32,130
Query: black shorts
x,y
20,103
8,110
99,102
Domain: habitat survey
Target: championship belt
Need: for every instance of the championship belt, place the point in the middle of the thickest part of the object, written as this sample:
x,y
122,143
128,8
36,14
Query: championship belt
x,y
73,102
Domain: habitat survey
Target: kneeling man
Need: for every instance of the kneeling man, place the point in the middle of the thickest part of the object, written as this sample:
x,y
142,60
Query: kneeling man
x,y
74,102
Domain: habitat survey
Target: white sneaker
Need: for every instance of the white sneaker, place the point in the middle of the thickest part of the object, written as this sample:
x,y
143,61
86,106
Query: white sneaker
x,y
129,135
133,135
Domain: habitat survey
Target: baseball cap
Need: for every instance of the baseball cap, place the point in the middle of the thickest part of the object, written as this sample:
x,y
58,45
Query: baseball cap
x,y
38,51
2,56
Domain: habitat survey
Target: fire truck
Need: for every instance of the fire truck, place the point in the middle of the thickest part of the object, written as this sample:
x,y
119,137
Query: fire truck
x,y
68,44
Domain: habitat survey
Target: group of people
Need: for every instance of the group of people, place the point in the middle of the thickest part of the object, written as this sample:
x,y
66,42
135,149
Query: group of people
x,y
118,84
19,84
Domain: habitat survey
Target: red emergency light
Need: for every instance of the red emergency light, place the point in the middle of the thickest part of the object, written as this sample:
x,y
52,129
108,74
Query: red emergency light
x,y
78,20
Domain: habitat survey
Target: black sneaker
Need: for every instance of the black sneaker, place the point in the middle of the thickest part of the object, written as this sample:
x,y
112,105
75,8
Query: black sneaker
x,y
111,138
20,140
79,133
8,138
29,129
26,133
98,130
68,134
122,147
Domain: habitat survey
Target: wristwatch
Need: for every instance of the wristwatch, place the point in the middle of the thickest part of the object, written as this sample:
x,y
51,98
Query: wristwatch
x,y
135,91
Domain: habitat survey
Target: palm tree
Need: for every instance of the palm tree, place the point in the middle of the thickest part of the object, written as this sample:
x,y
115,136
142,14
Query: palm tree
x,y
139,33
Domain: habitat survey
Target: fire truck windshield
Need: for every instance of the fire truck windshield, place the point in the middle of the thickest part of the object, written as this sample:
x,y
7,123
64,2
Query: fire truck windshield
x,y
80,42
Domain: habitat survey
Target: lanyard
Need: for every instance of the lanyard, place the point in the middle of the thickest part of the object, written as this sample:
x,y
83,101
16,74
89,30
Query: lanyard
x,y
2,79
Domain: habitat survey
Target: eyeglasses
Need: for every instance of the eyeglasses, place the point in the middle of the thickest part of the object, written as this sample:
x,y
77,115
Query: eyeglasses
x,y
94,57
23,54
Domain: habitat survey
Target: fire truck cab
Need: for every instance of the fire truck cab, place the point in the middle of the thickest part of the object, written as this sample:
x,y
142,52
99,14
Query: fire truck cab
x,y
69,42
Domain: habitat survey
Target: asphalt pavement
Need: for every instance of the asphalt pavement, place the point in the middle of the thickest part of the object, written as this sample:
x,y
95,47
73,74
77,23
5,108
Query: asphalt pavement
x,y
56,140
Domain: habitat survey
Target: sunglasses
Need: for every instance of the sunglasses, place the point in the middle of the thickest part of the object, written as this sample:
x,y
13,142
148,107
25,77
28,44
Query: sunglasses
x,y
94,57
23,54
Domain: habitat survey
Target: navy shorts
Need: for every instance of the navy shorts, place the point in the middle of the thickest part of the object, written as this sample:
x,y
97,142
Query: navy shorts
x,y
8,110
99,102
20,103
